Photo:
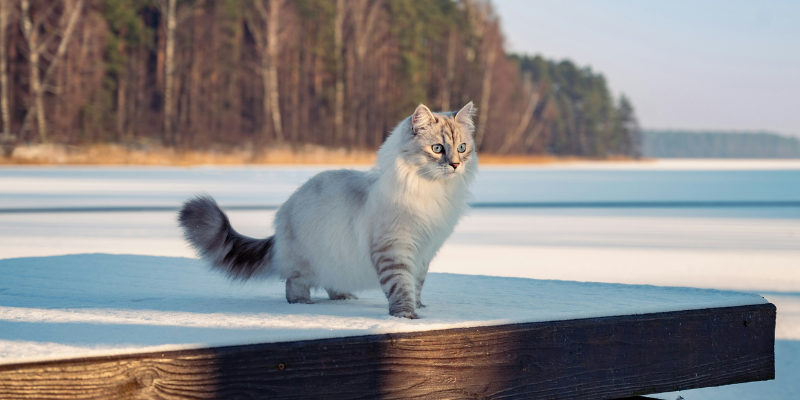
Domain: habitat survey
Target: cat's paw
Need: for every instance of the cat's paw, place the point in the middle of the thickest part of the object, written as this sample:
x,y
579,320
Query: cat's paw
x,y
420,305
334,295
405,314
301,301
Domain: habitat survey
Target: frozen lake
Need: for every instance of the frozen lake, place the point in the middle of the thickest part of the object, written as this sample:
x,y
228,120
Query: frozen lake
x,y
724,225
767,183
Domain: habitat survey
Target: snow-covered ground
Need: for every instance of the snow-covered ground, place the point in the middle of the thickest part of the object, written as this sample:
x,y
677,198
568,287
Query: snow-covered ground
x,y
82,304
747,249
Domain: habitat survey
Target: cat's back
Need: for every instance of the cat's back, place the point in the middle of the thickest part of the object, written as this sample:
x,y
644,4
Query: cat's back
x,y
329,195
337,188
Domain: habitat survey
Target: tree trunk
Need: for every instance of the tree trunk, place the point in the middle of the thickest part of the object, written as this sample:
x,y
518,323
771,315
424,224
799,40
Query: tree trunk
x,y
486,93
295,96
512,138
537,129
38,95
337,50
5,141
194,115
450,71
267,41
121,110
34,85
37,85
363,14
169,74
266,82
272,69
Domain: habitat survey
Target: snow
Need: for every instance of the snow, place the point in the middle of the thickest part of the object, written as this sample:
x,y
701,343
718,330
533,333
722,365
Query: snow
x,y
101,303
753,249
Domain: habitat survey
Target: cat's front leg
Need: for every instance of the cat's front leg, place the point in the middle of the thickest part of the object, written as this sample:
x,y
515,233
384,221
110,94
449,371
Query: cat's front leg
x,y
399,285
399,289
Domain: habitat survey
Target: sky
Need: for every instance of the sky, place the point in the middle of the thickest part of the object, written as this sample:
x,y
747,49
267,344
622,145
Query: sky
x,y
705,64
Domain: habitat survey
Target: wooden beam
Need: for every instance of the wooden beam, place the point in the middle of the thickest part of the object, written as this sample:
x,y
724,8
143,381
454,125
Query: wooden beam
x,y
598,358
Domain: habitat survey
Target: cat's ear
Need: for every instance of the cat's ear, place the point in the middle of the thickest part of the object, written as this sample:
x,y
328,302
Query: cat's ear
x,y
421,118
464,116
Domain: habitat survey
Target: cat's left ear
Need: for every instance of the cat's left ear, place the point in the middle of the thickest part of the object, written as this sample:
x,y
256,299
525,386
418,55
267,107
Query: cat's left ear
x,y
421,118
464,116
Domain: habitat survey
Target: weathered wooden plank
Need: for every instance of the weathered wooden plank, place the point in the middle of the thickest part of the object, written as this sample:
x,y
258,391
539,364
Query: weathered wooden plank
x,y
599,358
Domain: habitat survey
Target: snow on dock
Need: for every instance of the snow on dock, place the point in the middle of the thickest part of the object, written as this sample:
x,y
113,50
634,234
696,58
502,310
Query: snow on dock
x,y
96,304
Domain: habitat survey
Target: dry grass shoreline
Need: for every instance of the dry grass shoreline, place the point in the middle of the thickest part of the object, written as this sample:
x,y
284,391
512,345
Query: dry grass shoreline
x,y
118,154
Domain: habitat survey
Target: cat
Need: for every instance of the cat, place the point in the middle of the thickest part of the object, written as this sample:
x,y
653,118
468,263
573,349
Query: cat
x,y
347,231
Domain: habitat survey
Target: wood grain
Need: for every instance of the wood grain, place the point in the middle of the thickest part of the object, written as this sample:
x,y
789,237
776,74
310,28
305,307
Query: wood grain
x,y
598,358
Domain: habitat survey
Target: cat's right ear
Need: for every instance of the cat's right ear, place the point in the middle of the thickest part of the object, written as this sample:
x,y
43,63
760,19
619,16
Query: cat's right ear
x,y
464,116
421,118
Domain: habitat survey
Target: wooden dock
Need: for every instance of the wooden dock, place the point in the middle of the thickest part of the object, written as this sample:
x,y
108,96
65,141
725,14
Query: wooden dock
x,y
596,358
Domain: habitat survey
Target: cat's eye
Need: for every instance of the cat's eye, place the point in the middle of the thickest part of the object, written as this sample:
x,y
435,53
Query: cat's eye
x,y
462,147
437,148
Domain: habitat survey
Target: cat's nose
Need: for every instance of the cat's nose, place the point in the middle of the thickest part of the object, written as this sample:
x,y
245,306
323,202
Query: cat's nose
x,y
454,165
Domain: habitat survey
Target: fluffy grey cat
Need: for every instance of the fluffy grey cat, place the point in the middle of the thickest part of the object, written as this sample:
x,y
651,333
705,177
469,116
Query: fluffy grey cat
x,y
346,230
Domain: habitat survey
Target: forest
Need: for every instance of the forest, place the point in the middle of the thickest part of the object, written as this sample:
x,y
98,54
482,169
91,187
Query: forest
x,y
222,74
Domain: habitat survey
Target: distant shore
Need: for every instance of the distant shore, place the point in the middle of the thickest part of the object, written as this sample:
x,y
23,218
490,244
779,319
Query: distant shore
x,y
155,156
118,154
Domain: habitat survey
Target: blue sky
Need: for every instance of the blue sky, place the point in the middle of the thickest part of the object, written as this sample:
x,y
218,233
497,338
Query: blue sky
x,y
706,64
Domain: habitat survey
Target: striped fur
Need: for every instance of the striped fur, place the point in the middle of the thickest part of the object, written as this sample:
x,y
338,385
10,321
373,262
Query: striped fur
x,y
209,231
346,231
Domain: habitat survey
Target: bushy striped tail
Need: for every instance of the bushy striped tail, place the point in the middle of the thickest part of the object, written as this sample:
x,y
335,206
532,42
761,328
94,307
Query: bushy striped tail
x,y
209,231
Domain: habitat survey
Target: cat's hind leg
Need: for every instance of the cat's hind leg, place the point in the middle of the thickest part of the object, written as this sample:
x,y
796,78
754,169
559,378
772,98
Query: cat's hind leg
x,y
421,281
298,292
334,295
418,292
298,283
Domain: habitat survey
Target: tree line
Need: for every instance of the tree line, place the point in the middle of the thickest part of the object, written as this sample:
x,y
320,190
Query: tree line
x,y
201,74
700,144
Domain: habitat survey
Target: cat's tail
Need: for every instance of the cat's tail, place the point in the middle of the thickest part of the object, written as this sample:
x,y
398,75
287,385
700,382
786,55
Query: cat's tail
x,y
209,231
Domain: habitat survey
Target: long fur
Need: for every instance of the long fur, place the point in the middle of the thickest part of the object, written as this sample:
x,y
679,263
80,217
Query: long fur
x,y
209,231
347,231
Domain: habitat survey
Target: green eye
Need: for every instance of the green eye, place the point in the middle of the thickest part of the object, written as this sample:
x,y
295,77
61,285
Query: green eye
x,y
437,148
462,147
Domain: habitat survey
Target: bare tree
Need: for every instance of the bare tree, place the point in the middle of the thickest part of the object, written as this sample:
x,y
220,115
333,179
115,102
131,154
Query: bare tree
x,y
525,120
538,127
338,39
37,47
6,140
169,70
31,33
486,29
364,15
267,40
450,69
486,94
273,50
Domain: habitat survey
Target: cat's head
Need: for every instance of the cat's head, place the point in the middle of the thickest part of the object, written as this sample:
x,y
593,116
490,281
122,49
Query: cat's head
x,y
439,145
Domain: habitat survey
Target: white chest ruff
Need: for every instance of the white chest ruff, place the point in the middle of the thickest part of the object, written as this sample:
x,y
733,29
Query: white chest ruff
x,y
422,219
